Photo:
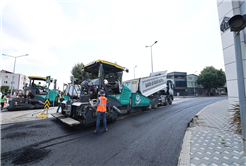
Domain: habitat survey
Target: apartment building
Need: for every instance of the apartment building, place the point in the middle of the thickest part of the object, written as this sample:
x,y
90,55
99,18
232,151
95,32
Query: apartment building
x,y
229,8
18,81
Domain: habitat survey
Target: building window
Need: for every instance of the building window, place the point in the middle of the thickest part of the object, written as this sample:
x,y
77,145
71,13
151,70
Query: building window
x,y
189,78
5,82
180,77
170,77
13,82
6,76
180,84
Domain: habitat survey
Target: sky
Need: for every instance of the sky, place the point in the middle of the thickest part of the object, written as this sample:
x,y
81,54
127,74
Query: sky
x,y
56,35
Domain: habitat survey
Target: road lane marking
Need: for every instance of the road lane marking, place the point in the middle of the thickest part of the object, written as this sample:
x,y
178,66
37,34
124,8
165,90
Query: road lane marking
x,y
14,116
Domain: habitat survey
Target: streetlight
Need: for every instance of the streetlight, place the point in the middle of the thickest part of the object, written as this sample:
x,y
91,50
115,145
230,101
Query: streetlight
x,y
134,71
151,54
236,24
194,85
14,69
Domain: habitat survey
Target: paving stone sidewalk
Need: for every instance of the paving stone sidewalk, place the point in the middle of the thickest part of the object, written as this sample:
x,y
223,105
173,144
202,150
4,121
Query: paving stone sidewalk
x,y
213,141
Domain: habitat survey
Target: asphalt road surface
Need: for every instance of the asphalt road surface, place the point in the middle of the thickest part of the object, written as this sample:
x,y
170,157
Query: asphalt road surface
x,y
148,138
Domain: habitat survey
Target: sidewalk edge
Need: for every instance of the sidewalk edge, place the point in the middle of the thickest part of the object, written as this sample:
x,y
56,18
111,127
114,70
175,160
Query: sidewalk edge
x,y
207,107
184,157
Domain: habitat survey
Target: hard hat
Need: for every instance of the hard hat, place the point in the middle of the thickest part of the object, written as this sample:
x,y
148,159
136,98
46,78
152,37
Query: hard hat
x,y
105,82
101,93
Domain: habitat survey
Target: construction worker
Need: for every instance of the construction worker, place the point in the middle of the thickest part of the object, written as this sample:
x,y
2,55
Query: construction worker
x,y
3,98
101,110
60,98
39,84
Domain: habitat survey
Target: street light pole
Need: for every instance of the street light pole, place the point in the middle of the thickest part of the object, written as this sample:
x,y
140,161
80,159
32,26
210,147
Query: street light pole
x,y
14,70
236,24
134,71
241,87
151,55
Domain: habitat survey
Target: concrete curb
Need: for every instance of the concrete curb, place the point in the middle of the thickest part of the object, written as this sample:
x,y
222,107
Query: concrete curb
x,y
184,158
192,123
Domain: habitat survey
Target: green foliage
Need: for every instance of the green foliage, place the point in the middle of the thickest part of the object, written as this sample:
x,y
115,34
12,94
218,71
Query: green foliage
x,y
236,118
77,73
5,89
211,78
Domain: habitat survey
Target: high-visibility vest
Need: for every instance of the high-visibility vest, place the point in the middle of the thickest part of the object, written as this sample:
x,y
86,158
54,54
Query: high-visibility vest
x,y
60,96
3,99
102,106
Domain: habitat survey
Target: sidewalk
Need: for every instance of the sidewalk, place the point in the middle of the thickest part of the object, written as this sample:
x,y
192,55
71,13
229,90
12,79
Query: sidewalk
x,y
211,141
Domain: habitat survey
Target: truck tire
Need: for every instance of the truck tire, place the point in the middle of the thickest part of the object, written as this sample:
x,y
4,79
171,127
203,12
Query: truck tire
x,y
154,103
166,102
170,101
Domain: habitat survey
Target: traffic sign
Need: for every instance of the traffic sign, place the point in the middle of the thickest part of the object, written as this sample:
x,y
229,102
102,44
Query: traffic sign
x,y
47,79
46,107
47,101
47,104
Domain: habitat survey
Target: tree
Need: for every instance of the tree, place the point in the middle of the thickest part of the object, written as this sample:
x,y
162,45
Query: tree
x,y
77,73
211,78
4,89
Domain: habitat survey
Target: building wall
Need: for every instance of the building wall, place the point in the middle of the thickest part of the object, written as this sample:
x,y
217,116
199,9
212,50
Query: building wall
x,y
230,8
191,81
179,81
19,80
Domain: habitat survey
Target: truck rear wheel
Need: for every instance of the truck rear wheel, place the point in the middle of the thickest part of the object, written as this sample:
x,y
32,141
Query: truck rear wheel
x,y
170,101
154,103
166,101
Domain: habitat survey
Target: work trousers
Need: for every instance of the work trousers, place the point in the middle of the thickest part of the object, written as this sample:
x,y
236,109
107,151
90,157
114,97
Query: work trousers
x,y
59,105
99,114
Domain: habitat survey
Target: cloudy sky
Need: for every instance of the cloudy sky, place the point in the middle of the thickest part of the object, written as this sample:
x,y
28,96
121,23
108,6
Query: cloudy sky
x,y
59,34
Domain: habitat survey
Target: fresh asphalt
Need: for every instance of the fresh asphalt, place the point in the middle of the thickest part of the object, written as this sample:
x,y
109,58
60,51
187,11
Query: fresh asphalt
x,y
148,138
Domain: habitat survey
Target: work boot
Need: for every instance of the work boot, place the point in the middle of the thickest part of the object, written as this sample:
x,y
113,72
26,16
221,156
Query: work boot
x,y
95,132
105,130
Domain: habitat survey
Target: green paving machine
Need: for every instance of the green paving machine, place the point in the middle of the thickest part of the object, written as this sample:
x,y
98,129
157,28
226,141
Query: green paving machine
x,y
34,95
123,97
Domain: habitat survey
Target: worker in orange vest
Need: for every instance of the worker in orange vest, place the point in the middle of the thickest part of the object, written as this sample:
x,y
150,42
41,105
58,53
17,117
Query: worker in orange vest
x,y
101,110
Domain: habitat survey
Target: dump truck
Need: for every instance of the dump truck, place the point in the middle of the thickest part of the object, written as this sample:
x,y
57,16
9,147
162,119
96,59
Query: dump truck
x,y
150,92
123,97
34,96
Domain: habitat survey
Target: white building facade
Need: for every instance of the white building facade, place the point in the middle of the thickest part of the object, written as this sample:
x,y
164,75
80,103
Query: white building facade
x,y
229,8
18,82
